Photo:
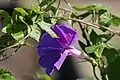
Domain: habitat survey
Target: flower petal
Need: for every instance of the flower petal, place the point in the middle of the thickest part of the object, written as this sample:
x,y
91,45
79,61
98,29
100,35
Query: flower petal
x,y
59,63
61,34
49,45
49,60
77,53
49,71
66,34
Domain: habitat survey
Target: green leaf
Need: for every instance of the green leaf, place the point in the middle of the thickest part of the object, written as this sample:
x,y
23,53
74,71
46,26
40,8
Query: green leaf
x,y
93,37
18,36
22,11
1,12
91,7
36,9
36,32
14,28
82,45
7,28
34,18
6,18
6,75
81,9
105,19
115,20
45,2
96,48
113,69
104,37
5,41
91,49
28,27
110,54
47,27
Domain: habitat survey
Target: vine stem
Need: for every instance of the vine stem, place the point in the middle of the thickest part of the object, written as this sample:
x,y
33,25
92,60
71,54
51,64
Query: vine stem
x,y
90,24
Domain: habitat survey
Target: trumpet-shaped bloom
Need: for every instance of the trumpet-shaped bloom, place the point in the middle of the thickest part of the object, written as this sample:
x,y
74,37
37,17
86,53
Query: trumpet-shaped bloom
x,y
53,51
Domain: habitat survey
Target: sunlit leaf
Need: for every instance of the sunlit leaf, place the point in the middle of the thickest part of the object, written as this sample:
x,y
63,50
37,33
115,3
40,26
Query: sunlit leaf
x,y
95,48
28,27
22,11
91,7
18,36
47,27
90,49
36,32
7,28
105,19
37,10
115,20
6,75
45,2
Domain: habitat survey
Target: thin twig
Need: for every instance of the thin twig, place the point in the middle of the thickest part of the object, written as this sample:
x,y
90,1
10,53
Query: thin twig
x,y
92,25
66,10
70,7
47,8
30,3
57,9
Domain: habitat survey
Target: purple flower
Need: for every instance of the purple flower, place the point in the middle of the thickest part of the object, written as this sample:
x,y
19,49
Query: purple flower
x,y
53,51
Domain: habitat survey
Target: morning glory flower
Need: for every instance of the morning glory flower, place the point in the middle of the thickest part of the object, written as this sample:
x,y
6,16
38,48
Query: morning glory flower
x,y
53,51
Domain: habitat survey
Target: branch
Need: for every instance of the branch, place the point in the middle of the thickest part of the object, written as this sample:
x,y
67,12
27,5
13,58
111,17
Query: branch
x,y
90,24
47,8
4,58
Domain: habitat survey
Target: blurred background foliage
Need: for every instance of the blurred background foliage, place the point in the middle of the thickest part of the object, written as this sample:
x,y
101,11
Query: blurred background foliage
x,y
24,64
